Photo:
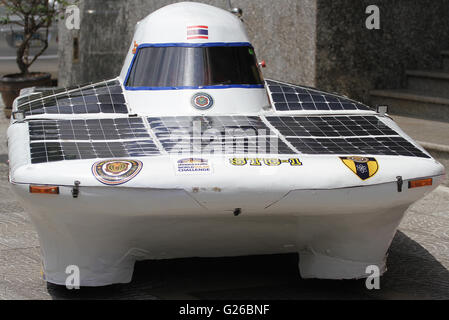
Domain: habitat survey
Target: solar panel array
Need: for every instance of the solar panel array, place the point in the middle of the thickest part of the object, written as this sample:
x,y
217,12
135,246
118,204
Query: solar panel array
x,y
345,135
56,140
394,146
92,129
167,127
331,126
286,97
103,97
242,145
56,151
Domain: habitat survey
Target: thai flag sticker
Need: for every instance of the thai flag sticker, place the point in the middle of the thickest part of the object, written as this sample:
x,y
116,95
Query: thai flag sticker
x,y
197,32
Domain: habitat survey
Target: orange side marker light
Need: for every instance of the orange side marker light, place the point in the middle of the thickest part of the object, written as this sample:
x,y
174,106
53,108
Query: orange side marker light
x,y
420,183
135,47
44,189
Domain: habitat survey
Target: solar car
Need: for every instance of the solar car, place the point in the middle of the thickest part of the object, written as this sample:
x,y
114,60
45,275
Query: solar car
x,y
191,152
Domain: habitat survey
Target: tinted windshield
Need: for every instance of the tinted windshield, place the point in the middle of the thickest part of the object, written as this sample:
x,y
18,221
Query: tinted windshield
x,y
194,67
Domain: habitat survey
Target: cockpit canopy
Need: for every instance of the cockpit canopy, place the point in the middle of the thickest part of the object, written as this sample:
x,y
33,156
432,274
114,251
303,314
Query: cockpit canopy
x,y
194,66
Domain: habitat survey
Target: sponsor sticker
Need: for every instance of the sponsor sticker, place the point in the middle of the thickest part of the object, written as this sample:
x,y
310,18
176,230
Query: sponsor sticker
x,y
116,172
193,166
363,167
202,101
259,162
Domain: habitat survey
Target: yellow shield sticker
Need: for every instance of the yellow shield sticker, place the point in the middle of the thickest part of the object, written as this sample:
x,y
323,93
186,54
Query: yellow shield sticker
x,y
363,167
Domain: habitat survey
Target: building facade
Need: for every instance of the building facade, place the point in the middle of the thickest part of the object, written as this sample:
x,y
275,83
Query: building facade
x,y
320,43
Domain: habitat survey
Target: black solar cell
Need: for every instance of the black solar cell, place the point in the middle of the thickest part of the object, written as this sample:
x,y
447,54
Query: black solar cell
x,y
103,97
243,145
330,126
40,93
287,97
93,129
168,127
56,151
395,146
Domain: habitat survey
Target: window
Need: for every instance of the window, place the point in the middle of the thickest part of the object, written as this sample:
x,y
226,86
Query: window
x,y
184,67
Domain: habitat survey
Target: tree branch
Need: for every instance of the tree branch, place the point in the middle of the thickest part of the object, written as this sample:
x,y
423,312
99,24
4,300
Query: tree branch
x,y
43,48
34,15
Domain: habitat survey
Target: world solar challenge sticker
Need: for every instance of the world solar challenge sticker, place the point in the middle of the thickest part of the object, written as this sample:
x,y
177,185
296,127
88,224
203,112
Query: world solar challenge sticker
x,y
116,172
193,166
202,101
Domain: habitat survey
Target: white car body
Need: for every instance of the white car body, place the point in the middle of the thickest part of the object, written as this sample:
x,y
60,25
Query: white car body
x,y
223,204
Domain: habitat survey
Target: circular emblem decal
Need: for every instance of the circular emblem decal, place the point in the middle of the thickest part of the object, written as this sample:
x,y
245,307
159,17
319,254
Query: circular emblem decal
x,y
202,101
116,172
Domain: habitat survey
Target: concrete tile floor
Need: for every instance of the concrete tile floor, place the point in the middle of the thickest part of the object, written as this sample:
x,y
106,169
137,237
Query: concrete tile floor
x,y
425,130
418,267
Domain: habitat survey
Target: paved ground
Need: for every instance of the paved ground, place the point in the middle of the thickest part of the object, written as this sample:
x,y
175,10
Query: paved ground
x,y
418,264
432,135
435,132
